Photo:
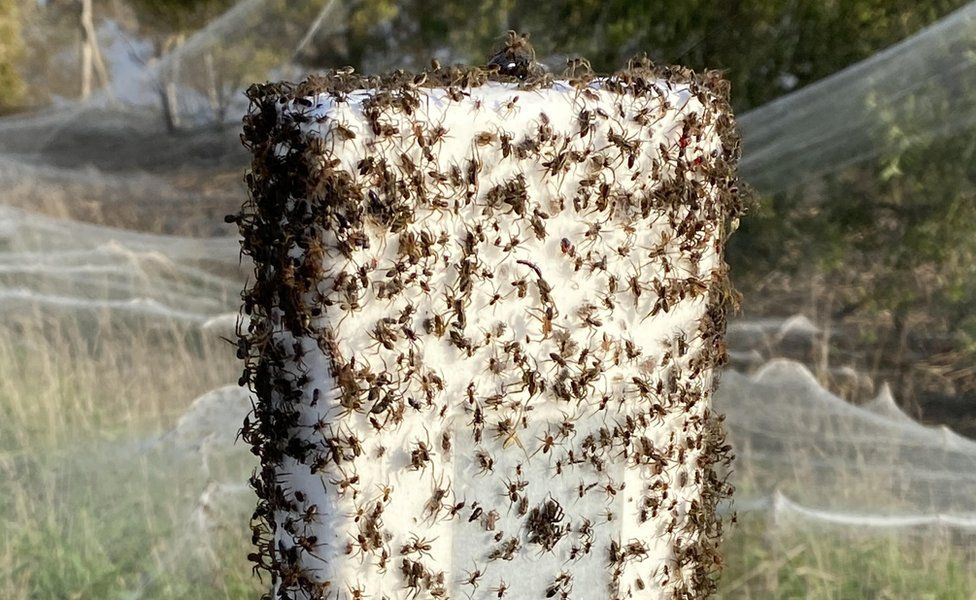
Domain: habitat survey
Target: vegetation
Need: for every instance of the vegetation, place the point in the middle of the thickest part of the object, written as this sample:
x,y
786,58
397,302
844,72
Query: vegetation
x,y
887,244
168,18
11,54
815,562
89,507
167,22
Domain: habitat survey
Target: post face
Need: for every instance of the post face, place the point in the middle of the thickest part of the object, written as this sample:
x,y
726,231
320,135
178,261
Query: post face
x,y
483,330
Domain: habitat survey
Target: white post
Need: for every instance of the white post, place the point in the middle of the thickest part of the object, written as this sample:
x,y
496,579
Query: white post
x,y
486,312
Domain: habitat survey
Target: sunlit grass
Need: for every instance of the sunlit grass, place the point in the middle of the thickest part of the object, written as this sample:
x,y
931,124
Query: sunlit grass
x,y
92,505
815,561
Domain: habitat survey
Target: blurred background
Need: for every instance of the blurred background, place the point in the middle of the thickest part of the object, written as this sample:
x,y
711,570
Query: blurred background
x,y
850,397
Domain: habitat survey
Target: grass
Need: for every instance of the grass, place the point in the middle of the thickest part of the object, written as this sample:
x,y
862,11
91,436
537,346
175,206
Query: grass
x,y
89,508
820,562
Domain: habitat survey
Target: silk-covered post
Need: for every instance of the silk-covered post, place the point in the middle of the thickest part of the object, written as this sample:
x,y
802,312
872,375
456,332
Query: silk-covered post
x,y
483,332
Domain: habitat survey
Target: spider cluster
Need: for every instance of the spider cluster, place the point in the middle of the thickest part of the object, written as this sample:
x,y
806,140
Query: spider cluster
x,y
485,316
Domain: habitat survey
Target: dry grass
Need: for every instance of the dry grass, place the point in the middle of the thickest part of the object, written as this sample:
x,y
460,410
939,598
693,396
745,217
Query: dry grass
x,y
813,561
89,507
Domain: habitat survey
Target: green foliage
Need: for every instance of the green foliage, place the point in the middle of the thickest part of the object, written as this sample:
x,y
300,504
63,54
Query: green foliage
x,y
816,561
12,87
93,503
893,236
177,16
